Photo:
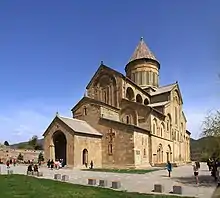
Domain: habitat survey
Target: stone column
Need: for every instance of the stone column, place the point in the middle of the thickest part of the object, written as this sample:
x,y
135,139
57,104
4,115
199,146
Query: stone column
x,y
52,152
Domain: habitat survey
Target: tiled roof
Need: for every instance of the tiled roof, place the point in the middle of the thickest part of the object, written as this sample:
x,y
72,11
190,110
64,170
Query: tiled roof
x,y
79,126
163,89
158,104
142,51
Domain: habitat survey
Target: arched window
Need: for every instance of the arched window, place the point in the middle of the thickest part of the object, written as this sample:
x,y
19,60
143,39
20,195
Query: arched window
x,y
104,96
128,119
130,94
162,130
139,98
85,157
154,127
146,101
176,115
144,152
85,111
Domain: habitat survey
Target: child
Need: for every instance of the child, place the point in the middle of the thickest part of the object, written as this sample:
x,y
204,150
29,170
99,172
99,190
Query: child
x,y
196,172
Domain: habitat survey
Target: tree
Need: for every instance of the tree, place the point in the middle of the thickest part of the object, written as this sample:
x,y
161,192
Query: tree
x,y
20,157
6,143
211,128
211,125
40,157
33,141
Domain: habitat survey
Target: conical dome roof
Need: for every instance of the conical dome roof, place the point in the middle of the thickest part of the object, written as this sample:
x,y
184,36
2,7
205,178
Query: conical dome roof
x,y
142,51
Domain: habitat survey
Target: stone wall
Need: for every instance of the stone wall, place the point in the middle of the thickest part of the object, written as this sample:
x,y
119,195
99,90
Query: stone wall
x,y
8,153
93,147
122,145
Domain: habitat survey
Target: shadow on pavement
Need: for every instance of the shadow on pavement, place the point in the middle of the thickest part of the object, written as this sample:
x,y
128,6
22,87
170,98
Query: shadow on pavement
x,y
204,181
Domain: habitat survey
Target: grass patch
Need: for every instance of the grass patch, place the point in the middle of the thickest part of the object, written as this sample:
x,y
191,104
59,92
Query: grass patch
x,y
129,171
21,186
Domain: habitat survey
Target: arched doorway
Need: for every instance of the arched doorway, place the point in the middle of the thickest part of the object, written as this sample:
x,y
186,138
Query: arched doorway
x,y
160,154
85,157
60,144
169,154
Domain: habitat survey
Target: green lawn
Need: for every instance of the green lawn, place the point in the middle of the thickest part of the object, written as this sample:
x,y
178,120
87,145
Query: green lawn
x,y
130,171
21,186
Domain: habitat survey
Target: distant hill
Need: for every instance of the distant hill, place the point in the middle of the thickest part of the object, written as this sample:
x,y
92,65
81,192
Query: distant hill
x,y
25,144
204,148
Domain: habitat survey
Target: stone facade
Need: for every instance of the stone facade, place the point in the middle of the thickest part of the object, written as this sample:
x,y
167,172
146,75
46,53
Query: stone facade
x,y
141,123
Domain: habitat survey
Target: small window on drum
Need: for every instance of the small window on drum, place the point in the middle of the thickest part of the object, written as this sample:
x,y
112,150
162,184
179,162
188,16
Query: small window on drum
x,y
127,119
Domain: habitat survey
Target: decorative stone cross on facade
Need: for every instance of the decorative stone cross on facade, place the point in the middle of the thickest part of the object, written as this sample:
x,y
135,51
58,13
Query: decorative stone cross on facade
x,y
110,135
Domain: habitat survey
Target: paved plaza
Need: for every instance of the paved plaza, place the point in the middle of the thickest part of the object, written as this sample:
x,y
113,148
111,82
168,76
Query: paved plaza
x,y
139,182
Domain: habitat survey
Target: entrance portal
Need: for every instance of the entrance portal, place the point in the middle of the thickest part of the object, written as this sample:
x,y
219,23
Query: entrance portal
x,y
85,157
60,144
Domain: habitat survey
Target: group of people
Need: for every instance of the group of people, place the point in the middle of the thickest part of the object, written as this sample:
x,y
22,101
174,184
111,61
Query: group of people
x,y
10,162
57,164
32,168
196,167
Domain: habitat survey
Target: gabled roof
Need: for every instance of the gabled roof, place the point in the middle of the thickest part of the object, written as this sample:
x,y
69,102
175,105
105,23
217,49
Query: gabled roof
x,y
91,100
104,67
164,89
142,51
167,88
78,126
158,104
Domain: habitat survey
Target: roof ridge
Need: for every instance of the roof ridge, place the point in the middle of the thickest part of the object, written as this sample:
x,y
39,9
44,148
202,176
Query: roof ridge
x,y
168,85
72,118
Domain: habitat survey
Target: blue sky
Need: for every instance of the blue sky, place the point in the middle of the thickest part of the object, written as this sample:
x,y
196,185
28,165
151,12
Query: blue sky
x,y
49,50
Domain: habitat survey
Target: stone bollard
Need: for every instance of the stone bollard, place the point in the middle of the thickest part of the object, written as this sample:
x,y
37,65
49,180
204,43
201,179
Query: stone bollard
x,y
92,182
177,190
10,172
57,176
65,177
158,188
103,183
116,184
40,174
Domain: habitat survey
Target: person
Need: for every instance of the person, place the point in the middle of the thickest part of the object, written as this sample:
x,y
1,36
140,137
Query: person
x,y
214,169
198,164
29,169
35,168
48,163
196,172
209,164
91,164
14,162
51,164
8,164
169,168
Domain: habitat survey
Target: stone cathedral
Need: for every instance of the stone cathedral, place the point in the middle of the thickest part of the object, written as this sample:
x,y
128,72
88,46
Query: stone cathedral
x,y
123,121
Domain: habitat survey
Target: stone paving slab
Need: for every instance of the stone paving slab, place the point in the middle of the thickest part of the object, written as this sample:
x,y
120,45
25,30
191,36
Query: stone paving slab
x,y
143,183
